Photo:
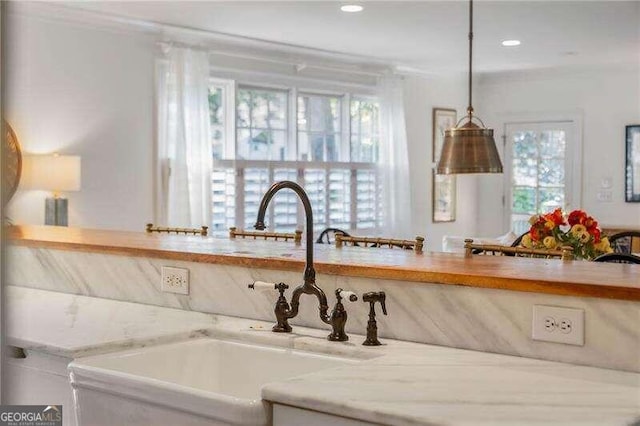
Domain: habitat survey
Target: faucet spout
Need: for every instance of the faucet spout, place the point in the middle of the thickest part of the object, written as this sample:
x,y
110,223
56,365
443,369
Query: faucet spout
x,y
309,271
309,283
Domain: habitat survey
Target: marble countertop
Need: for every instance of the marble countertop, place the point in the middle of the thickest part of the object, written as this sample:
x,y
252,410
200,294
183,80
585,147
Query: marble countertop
x,y
399,383
73,326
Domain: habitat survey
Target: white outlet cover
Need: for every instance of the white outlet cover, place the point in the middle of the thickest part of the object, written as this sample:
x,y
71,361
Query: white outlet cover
x,y
175,280
541,331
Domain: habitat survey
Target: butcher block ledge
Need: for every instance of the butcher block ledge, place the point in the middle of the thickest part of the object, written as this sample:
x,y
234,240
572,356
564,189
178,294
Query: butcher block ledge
x,y
574,278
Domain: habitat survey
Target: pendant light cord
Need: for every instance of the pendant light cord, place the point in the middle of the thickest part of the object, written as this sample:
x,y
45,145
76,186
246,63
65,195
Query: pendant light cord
x,y
470,107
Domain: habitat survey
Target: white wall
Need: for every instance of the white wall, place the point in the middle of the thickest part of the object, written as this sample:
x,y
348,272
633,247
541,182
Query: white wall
x,y
607,99
80,91
422,94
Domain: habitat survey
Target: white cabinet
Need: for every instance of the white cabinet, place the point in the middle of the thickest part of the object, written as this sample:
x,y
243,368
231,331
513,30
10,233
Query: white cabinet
x,y
36,378
284,415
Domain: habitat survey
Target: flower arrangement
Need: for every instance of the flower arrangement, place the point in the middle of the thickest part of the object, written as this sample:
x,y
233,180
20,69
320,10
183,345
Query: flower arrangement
x,y
578,230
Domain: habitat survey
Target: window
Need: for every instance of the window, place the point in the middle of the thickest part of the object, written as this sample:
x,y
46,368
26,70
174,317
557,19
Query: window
x,y
216,115
319,135
365,130
539,169
261,124
328,143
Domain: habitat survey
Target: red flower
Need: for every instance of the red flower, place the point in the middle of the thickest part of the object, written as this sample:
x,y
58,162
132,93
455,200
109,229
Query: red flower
x,y
539,230
556,217
596,235
577,217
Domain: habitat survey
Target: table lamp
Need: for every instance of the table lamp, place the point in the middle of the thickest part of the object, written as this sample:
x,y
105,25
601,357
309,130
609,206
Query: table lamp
x,y
56,173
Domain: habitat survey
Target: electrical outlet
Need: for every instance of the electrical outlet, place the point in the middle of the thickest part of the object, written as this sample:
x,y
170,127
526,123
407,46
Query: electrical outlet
x,y
566,326
557,324
175,280
550,324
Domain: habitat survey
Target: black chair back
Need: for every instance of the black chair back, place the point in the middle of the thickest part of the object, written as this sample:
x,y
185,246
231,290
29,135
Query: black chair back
x,y
625,242
618,258
327,234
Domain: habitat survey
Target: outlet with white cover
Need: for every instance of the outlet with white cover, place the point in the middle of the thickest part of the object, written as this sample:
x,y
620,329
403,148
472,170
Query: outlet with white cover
x,y
175,280
558,324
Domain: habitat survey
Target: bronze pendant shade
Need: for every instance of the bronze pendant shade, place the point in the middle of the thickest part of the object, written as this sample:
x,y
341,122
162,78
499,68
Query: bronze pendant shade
x,y
469,148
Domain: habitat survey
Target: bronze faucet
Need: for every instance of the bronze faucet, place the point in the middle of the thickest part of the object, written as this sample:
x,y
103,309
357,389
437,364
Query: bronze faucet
x,y
372,327
283,311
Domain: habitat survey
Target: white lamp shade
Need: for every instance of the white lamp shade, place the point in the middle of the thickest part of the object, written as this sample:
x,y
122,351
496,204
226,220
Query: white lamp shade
x,y
51,172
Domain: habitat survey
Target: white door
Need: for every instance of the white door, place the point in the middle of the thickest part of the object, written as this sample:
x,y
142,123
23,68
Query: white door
x,y
542,170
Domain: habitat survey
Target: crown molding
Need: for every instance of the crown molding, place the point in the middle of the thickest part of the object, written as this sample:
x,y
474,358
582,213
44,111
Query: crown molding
x,y
559,73
54,12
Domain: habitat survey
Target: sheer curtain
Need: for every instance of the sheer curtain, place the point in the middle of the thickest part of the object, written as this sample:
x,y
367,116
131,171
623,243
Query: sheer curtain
x,y
394,160
184,149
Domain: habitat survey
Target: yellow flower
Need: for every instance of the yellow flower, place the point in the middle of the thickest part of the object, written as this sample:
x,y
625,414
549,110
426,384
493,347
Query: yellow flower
x,y
583,237
603,246
550,242
526,241
549,224
578,229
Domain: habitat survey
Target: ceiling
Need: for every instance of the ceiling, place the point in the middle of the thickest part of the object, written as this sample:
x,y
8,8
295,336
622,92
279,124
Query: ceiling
x,y
430,36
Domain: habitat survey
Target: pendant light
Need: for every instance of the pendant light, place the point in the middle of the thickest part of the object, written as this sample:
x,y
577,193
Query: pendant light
x,y
469,148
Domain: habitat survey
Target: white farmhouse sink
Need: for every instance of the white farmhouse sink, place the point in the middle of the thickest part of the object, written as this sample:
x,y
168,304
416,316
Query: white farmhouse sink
x,y
197,382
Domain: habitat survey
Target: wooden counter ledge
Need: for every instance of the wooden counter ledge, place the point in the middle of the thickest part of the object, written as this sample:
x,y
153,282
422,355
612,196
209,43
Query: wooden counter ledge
x,y
577,278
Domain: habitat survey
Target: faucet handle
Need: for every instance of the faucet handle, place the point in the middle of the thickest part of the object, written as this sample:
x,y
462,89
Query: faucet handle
x,y
346,294
338,317
382,300
281,287
262,285
265,286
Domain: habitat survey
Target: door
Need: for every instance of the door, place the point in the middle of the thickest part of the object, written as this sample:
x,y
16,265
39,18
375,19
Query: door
x,y
542,170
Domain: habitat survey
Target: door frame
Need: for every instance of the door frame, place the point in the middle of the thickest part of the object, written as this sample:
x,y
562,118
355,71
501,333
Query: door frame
x,y
574,153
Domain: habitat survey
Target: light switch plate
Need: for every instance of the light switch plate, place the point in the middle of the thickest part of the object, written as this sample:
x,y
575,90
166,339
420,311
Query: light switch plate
x,y
175,280
558,324
604,196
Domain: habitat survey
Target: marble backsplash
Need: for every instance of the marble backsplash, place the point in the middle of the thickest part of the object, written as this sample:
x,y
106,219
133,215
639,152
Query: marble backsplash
x,y
487,320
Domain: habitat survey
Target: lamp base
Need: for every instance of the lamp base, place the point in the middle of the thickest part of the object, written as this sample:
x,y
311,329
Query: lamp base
x,y
56,211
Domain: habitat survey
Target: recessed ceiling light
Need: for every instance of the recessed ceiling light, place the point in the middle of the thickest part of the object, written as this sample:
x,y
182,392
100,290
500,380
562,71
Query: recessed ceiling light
x,y
351,8
511,43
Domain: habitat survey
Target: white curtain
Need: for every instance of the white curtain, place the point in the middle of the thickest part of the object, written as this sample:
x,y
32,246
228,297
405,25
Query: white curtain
x,y
184,150
394,160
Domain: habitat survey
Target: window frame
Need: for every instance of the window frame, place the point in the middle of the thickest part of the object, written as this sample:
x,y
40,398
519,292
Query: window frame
x,y
292,161
229,103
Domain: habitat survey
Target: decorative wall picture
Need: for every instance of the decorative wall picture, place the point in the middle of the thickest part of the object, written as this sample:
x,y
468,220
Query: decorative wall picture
x,y
632,166
444,186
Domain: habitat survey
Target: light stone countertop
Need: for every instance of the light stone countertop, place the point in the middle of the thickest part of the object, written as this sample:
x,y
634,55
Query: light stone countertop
x,y
399,383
